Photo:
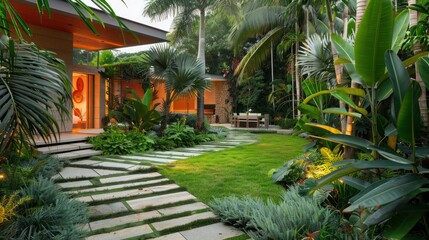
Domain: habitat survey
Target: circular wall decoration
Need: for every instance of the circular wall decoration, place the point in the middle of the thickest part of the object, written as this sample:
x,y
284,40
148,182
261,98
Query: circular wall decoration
x,y
79,84
77,96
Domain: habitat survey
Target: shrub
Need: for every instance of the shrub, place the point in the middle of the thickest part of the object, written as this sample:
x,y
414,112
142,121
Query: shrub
x,y
117,142
296,217
220,132
48,215
51,166
181,134
163,144
286,123
290,173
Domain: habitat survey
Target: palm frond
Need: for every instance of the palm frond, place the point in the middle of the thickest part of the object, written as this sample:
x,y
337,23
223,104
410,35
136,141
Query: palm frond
x,y
33,84
315,58
182,25
258,53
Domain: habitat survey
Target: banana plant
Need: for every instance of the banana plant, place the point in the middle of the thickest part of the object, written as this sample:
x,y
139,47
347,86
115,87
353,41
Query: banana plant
x,y
397,201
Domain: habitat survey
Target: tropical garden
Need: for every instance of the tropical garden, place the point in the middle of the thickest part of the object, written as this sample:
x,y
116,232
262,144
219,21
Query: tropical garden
x,y
350,76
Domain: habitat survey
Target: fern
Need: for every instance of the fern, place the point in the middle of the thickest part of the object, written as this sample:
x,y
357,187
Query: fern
x,y
8,204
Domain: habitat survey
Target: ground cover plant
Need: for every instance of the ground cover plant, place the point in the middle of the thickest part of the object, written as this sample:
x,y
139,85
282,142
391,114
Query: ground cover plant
x,y
239,171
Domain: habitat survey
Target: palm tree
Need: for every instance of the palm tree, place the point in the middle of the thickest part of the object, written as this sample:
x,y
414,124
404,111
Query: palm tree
x,y
180,72
32,85
183,11
282,23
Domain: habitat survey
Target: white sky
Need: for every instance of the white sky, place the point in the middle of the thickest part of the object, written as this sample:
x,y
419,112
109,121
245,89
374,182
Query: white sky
x,y
133,10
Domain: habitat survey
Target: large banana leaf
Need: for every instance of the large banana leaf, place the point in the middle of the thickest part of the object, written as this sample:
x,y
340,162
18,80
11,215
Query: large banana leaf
x,y
423,65
400,27
386,211
393,189
346,51
373,38
352,141
390,154
399,78
408,123
406,218
358,165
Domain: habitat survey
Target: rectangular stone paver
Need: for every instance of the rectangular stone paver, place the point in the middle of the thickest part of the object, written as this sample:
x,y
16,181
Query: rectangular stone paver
x,y
120,160
105,172
217,231
123,233
78,154
133,192
83,183
85,162
152,159
164,156
182,221
86,199
182,208
200,149
115,165
112,187
177,153
58,148
105,209
112,222
129,177
160,200
173,236
74,172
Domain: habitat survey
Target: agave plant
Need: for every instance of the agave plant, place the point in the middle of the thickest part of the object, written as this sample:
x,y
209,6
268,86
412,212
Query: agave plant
x,y
33,85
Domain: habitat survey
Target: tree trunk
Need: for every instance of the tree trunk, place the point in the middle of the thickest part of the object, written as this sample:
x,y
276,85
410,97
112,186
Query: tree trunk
x,y
292,71
202,58
360,9
414,18
338,68
297,76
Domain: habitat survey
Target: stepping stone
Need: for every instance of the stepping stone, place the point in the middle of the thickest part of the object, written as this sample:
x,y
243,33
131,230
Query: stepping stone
x,y
85,162
129,177
57,148
78,154
159,226
200,149
217,231
177,153
164,156
133,192
183,208
123,233
74,172
112,222
104,172
119,160
112,187
83,183
86,199
105,209
138,167
160,200
173,236
114,165
152,159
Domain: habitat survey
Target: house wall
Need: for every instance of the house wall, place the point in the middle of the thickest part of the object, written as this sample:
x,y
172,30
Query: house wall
x,y
222,101
62,44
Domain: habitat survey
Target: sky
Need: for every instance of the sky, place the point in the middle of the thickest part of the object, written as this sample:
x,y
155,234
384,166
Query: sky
x,y
133,11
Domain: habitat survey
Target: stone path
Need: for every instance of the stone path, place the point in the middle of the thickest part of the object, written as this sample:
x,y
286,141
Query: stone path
x,y
128,199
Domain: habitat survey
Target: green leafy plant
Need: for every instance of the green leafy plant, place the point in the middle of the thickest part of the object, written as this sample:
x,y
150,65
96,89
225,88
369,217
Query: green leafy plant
x,y
138,112
397,201
181,134
290,173
48,215
8,204
295,217
112,142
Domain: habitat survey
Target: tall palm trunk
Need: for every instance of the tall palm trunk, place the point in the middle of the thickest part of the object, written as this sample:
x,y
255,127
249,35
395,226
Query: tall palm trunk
x,y
338,68
297,75
202,58
414,18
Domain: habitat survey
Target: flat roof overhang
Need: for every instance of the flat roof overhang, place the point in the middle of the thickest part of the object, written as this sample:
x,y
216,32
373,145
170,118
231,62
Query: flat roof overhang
x,y
64,18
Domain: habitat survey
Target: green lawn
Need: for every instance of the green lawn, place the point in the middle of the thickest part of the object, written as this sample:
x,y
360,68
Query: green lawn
x,y
238,171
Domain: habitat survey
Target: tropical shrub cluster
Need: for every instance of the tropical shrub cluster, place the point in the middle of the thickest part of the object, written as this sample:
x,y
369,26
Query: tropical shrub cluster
x,y
295,217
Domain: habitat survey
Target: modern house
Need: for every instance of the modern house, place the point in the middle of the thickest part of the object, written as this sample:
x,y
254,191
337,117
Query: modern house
x,y
64,31
216,98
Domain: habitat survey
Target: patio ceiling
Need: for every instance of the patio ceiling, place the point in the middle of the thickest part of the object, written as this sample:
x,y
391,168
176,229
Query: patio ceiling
x,y
64,18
